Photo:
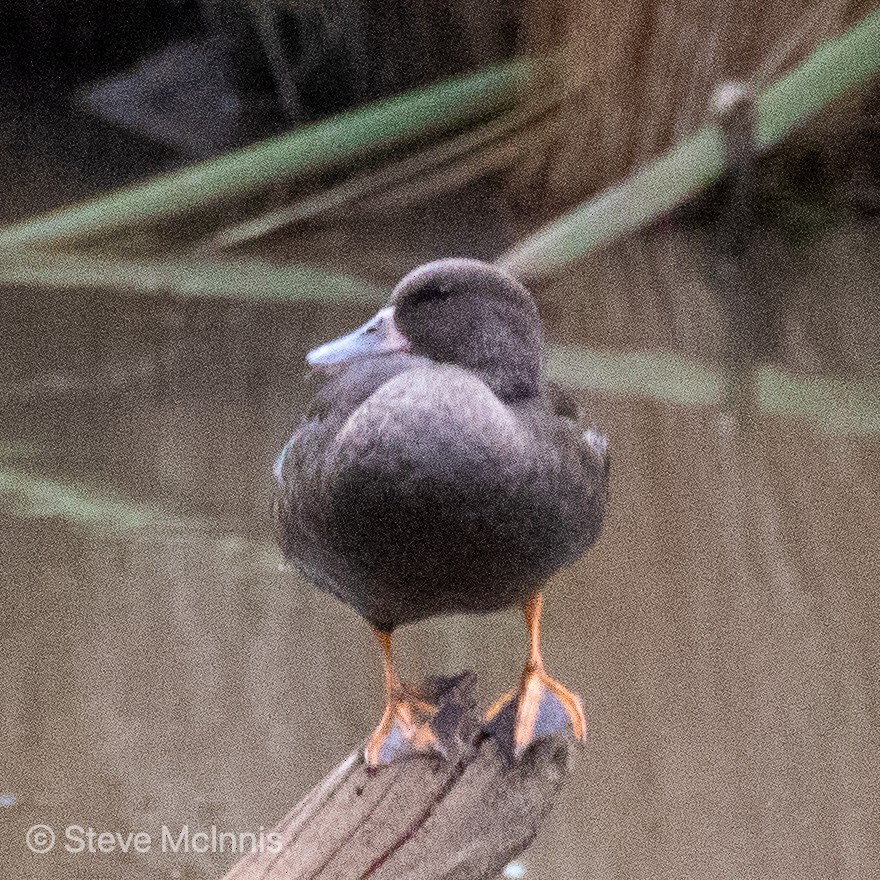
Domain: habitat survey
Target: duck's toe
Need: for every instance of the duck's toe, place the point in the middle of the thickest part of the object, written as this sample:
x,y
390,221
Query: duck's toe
x,y
405,727
544,706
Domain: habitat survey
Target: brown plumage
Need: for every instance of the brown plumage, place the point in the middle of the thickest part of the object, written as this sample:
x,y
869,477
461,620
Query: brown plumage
x,y
436,470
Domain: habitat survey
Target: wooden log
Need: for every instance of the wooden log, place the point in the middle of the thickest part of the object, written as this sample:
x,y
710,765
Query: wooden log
x,y
425,817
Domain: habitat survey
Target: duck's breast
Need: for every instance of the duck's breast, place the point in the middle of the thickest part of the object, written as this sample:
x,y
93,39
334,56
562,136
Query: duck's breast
x,y
439,492
439,420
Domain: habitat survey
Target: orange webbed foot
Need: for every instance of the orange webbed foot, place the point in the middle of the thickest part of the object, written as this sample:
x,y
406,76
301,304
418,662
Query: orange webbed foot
x,y
538,701
405,725
542,703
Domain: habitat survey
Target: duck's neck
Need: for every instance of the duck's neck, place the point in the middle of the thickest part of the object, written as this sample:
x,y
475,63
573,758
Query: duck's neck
x,y
504,351
514,376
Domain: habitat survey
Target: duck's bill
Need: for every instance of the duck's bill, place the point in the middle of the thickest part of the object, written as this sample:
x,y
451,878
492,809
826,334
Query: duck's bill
x,y
379,335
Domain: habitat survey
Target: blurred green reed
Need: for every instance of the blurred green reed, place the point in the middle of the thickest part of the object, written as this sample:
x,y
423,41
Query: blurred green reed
x,y
27,494
250,279
440,108
833,68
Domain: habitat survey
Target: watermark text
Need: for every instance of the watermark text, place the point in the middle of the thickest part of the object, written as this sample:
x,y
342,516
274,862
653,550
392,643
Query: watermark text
x,y
77,839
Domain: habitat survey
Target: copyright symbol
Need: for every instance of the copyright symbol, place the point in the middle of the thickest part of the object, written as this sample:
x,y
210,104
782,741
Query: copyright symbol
x,y
40,839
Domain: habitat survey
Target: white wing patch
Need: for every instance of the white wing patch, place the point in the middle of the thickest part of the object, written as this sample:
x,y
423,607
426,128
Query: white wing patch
x,y
596,441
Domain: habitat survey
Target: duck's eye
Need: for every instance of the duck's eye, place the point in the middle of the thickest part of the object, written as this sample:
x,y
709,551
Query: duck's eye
x,y
433,293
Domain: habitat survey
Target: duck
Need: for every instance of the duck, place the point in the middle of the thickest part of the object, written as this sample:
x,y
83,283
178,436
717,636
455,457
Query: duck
x,y
438,471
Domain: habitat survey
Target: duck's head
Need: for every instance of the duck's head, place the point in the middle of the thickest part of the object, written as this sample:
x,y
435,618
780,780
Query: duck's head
x,y
454,311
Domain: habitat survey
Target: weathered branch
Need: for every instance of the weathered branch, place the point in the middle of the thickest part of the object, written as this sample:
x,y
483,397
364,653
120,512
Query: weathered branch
x,y
424,817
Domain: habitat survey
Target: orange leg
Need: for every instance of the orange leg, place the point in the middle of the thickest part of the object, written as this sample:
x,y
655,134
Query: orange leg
x,y
534,683
404,709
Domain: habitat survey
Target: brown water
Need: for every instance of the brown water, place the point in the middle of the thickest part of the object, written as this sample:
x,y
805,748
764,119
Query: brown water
x,y
724,634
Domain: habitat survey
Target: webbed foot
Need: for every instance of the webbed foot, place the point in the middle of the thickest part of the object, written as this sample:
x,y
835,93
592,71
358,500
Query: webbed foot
x,y
542,702
535,689
405,725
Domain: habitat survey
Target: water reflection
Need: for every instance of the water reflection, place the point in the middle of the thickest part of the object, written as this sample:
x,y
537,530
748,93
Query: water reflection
x,y
162,670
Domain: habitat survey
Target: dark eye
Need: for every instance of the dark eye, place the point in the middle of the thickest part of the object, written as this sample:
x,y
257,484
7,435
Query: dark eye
x,y
433,293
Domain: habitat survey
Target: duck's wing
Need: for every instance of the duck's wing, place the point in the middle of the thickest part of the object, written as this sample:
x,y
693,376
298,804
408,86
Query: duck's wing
x,y
588,469
561,402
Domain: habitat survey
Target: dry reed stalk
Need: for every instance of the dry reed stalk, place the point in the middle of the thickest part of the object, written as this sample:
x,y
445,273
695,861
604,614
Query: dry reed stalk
x,y
637,76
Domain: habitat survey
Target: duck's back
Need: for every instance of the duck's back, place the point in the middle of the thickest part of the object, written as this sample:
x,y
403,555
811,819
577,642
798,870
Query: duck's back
x,y
416,491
